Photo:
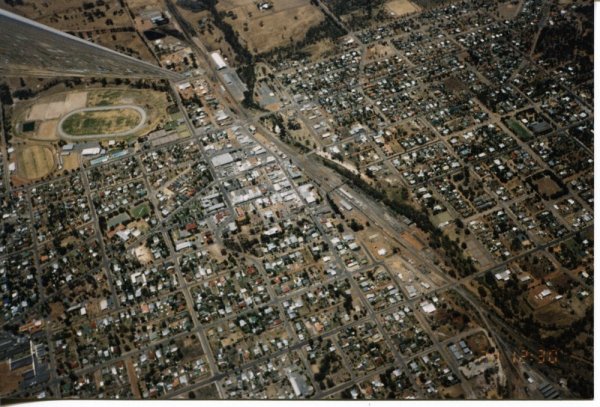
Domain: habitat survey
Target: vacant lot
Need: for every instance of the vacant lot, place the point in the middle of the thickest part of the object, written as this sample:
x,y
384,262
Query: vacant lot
x,y
71,161
508,10
10,380
261,31
34,162
547,186
101,122
401,7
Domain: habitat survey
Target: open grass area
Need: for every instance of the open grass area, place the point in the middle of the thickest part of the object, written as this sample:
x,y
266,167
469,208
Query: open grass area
x,y
519,130
34,162
140,211
101,122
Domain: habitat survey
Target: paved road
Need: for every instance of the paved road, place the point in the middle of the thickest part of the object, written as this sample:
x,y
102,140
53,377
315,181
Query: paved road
x,y
70,137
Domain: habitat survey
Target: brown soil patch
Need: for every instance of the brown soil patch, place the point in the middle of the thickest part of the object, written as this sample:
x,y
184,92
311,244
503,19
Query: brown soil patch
x,y
379,51
547,186
401,7
47,131
71,162
143,254
10,380
133,380
411,240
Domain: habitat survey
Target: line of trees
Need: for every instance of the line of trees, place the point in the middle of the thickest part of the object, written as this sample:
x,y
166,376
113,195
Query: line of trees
x,y
437,238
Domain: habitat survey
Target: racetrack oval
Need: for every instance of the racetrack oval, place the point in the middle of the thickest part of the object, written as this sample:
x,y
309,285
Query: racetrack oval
x,y
102,122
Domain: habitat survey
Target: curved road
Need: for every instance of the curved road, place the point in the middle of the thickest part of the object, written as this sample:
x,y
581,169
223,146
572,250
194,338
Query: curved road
x,y
69,137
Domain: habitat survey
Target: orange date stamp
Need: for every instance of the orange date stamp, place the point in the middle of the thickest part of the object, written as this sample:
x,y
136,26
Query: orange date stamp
x,y
541,356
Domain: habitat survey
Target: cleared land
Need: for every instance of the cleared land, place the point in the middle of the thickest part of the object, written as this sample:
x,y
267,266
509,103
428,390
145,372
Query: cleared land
x,y
261,31
71,161
101,122
34,162
547,186
10,380
47,131
401,7
56,106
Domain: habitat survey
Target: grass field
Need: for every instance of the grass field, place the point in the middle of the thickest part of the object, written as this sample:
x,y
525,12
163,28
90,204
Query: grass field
x,y
519,130
34,162
140,211
101,122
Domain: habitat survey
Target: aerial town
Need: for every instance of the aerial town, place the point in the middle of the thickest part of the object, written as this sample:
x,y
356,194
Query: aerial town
x,y
296,199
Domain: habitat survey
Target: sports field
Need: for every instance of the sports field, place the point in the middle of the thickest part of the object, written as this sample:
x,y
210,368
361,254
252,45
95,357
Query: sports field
x,y
34,161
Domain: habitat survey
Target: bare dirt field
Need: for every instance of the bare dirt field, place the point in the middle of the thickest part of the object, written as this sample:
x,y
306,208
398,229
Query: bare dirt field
x,y
508,10
410,239
57,106
263,30
379,51
47,130
547,186
10,380
71,162
553,313
143,254
34,161
57,309
68,14
401,7
132,378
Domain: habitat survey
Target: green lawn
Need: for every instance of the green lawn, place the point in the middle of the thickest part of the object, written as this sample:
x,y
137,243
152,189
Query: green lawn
x,y
101,122
519,130
140,211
